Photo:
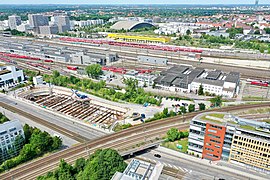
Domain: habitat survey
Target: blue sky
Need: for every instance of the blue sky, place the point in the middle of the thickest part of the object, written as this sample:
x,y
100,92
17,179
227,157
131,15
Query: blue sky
x,y
132,1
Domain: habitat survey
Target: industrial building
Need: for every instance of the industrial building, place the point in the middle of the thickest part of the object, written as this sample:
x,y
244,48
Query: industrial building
x,y
139,170
10,75
143,39
152,60
8,133
14,21
58,53
217,136
93,58
188,80
130,25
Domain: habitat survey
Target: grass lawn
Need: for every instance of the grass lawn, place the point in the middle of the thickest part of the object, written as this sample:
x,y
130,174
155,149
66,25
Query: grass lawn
x,y
172,145
220,116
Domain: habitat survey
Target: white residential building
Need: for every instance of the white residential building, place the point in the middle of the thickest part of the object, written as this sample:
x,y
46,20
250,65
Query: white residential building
x,y
143,79
8,133
87,22
10,75
14,21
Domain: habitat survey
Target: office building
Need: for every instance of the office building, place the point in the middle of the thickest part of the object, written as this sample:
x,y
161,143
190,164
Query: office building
x,y
93,58
9,75
217,136
48,30
37,20
8,133
14,21
62,22
139,170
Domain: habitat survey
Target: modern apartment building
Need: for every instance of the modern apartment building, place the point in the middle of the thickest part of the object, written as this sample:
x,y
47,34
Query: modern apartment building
x,y
14,21
217,136
8,133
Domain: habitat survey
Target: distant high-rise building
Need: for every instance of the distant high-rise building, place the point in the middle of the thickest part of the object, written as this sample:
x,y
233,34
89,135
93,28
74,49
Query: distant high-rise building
x,y
256,2
14,21
47,30
37,20
62,22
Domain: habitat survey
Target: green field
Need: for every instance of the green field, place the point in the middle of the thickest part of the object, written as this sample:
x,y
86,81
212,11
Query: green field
x,y
172,145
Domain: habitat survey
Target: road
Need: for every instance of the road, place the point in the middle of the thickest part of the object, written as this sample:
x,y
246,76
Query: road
x,y
51,117
196,168
67,141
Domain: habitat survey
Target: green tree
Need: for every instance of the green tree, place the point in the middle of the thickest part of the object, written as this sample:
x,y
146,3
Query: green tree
x,y
257,31
200,91
102,165
65,171
216,101
27,133
165,112
188,32
191,107
267,30
173,134
183,109
93,70
201,106
56,74
80,164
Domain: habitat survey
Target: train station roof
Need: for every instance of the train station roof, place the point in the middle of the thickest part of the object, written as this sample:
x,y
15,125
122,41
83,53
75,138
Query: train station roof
x,y
130,25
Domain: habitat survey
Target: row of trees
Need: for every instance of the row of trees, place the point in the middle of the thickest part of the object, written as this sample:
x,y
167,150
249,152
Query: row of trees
x,y
133,93
101,165
174,134
182,110
36,143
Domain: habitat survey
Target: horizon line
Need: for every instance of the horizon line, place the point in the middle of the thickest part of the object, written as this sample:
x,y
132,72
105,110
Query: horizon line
x,y
125,4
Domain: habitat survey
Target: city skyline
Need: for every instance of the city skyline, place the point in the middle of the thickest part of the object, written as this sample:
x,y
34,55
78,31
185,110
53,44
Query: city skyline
x,y
195,2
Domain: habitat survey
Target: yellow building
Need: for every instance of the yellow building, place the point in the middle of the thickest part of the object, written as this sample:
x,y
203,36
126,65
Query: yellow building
x,y
144,39
251,148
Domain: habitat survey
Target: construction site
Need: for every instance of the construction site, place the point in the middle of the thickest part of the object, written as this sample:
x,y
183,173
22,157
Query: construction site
x,y
75,105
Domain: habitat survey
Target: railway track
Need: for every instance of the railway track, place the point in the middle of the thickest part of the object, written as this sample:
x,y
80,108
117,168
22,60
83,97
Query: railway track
x,y
117,139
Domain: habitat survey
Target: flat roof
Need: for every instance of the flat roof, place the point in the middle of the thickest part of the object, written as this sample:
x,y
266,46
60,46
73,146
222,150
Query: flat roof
x,y
6,71
214,75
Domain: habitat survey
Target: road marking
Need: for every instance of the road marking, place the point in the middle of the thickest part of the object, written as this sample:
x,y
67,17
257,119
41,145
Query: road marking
x,y
170,165
165,164
175,167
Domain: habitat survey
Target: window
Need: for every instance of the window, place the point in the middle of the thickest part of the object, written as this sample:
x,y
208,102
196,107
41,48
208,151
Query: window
x,y
211,130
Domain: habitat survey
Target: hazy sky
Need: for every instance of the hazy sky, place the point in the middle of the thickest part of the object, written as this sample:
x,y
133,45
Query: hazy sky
x,y
132,1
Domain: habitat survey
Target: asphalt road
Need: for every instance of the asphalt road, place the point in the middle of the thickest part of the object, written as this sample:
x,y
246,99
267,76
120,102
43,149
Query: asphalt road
x,y
66,123
67,141
192,169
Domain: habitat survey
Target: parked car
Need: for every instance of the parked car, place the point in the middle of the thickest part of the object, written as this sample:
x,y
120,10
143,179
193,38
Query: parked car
x,y
157,155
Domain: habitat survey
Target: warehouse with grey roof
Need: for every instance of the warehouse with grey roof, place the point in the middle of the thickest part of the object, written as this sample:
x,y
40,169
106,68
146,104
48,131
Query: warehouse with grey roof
x,y
187,79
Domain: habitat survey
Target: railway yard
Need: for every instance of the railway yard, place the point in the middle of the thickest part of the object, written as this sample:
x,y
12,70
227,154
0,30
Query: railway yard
x,y
103,114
